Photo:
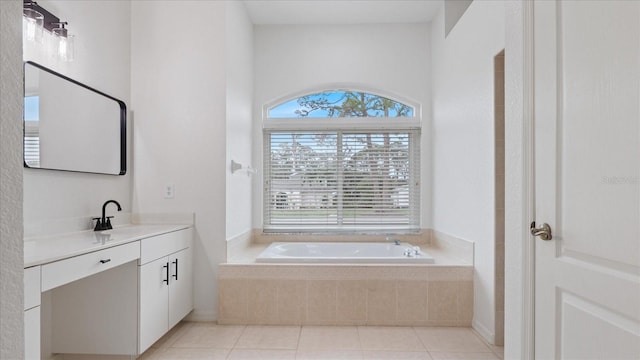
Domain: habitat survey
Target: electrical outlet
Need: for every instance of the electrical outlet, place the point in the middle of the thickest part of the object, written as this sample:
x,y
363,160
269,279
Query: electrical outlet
x,y
169,191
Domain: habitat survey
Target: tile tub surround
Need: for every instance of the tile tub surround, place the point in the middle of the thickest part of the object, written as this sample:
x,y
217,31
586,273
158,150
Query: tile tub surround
x,y
336,294
453,249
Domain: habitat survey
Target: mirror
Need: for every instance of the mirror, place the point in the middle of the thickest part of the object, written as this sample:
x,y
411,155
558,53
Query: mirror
x,y
71,126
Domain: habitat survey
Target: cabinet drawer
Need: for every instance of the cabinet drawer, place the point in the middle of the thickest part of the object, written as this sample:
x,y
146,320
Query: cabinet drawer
x,y
65,271
31,287
162,245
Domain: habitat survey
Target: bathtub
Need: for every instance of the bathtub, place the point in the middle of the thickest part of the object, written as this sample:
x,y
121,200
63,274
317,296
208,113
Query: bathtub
x,y
343,252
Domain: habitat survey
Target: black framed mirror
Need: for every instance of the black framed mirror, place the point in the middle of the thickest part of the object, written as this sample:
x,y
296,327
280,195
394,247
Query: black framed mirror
x,y
70,126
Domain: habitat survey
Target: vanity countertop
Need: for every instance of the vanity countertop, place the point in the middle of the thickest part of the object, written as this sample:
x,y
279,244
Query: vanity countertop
x,y
45,249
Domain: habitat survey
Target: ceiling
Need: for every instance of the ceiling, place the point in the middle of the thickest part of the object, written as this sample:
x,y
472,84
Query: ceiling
x,y
263,12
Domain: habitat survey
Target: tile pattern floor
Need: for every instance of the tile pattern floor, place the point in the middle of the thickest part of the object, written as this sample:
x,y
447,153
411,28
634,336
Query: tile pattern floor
x,y
190,340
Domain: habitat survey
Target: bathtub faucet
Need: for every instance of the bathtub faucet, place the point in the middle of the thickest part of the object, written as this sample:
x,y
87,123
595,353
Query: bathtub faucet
x,y
395,241
412,251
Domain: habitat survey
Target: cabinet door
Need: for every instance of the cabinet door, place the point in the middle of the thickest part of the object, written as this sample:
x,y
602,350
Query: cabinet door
x,y
154,302
181,286
32,333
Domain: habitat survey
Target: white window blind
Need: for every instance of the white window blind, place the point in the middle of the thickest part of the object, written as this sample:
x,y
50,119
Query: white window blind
x,y
347,180
32,144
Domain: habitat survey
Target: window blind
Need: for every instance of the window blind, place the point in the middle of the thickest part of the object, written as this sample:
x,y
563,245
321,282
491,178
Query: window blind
x,y
349,181
32,144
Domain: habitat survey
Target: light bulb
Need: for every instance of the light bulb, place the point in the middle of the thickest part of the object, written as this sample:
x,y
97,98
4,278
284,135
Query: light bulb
x,y
33,25
65,48
64,44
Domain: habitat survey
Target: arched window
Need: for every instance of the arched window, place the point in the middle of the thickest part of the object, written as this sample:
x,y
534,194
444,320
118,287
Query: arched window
x,y
341,160
340,104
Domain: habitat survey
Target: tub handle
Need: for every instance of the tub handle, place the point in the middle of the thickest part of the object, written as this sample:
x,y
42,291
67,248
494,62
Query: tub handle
x,y
412,251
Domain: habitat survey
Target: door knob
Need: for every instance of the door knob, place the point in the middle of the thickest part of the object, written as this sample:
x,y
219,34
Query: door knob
x,y
544,231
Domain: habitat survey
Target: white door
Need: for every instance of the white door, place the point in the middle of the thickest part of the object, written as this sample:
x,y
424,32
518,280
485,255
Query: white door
x,y
587,179
181,286
154,302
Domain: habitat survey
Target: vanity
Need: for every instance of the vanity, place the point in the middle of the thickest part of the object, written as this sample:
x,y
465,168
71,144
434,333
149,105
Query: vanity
x,y
107,291
110,292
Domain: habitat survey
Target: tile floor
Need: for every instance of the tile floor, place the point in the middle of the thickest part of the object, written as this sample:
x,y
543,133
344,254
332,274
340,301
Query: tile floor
x,y
190,340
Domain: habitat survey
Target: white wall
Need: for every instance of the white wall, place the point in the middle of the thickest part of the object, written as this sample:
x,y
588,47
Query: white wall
x,y
388,58
463,140
182,70
239,71
11,245
102,56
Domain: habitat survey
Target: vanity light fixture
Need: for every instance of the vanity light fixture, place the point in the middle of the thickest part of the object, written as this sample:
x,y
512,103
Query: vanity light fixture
x,y
36,19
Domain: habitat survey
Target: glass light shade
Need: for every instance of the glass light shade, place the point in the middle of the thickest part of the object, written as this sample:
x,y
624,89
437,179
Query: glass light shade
x,y
32,25
66,48
63,44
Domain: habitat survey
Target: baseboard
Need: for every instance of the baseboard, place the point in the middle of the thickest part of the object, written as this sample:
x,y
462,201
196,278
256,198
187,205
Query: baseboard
x,y
201,316
486,334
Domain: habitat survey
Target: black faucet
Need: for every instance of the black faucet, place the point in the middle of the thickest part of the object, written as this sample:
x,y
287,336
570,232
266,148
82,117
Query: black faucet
x,y
104,223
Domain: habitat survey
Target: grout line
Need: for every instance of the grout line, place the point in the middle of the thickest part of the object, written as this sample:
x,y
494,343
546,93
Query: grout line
x,y
244,327
415,332
184,328
306,300
299,337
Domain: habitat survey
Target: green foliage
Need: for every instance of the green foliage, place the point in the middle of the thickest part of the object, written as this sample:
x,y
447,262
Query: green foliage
x,y
351,104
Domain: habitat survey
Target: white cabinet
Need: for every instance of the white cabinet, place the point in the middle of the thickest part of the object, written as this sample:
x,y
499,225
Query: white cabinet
x,y
32,313
165,284
114,297
154,302
181,286
32,333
